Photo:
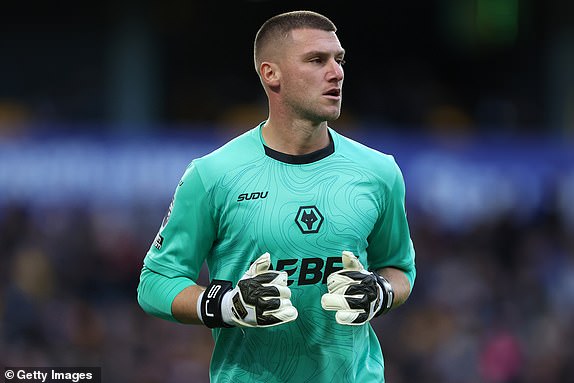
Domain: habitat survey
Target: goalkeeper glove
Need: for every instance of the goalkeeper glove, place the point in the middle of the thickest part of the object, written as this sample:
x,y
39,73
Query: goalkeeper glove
x,y
356,294
260,299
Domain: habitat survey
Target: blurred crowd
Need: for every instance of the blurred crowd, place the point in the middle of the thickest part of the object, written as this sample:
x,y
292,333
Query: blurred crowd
x,y
491,304
68,297
494,304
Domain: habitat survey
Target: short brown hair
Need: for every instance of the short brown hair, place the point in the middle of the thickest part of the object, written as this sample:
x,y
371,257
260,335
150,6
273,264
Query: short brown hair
x,y
281,25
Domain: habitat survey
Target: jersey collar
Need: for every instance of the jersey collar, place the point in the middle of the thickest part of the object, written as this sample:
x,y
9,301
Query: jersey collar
x,y
300,159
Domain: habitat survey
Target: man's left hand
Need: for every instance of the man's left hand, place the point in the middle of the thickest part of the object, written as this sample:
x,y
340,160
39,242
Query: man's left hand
x,y
357,295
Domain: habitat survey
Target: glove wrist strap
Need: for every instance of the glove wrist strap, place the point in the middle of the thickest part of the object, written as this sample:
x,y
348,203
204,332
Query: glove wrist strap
x,y
388,294
211,302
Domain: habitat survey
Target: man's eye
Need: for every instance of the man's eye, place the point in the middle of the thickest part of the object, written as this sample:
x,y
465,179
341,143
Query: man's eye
x,y
341,62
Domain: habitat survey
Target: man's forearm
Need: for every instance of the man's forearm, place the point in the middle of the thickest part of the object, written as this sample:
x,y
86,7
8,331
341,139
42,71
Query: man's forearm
x,y
156,293
184,306
400,283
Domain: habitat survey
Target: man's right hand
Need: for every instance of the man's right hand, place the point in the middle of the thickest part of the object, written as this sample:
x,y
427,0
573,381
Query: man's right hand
x,y
260,299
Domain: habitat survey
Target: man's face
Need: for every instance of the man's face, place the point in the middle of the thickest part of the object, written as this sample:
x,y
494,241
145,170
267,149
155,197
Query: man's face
x,y
312,75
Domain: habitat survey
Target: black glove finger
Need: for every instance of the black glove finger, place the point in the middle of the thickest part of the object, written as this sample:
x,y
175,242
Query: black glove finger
x,y
267,304
368,287
359,303
356,275
252,290
267,277
361,318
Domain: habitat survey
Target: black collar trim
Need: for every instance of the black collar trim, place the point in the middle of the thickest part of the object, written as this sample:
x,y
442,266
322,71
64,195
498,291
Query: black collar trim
x,y
303,158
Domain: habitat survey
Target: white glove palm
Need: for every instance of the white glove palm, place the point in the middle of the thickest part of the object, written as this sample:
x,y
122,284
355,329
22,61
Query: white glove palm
x,y
356,294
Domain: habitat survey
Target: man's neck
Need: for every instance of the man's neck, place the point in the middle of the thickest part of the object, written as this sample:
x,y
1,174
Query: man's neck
x,y
296,137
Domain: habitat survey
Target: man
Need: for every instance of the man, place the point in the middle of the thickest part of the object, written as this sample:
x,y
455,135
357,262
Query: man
x,y
304,231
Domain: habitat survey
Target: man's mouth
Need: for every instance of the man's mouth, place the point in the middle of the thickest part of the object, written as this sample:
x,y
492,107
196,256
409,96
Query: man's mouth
x,y
333,93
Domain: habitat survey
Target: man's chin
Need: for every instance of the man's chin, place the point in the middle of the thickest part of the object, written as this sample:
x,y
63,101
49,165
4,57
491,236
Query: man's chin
x,y
326,115
333,116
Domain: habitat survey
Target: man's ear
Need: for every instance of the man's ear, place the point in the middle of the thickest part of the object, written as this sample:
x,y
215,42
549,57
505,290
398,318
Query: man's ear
x,y
270,74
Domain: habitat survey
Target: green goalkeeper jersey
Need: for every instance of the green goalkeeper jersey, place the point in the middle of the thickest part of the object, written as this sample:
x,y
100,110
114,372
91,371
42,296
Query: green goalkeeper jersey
x,y
245,199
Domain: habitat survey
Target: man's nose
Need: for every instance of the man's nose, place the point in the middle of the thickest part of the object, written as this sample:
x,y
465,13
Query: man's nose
x,y
335,71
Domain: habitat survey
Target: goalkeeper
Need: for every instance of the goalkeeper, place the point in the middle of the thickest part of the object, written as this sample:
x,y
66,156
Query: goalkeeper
x,y
303,230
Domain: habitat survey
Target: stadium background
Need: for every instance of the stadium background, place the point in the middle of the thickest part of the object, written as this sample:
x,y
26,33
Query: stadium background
x,y
103,105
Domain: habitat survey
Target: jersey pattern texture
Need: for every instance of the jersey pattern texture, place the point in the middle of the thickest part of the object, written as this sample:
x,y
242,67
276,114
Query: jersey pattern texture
x,y
239,202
